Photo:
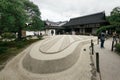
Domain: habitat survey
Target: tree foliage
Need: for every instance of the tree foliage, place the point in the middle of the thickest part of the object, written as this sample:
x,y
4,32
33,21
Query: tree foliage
x,y
14,14
104,28
116,11
114,20
31,9
36,24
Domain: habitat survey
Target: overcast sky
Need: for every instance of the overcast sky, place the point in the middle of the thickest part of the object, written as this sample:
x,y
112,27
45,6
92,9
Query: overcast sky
x,y
61,10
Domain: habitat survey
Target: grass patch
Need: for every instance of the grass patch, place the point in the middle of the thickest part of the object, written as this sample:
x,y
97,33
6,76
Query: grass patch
x,y
10,49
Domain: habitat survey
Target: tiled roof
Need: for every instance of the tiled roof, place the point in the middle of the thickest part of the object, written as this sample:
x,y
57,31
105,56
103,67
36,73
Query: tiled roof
x,y
50,23
89,19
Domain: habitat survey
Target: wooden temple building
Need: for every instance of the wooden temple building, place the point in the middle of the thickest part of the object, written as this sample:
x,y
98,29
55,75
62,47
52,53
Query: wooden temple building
x,y
81,25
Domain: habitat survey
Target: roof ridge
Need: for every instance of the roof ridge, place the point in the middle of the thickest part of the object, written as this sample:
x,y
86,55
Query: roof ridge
x,y
88,15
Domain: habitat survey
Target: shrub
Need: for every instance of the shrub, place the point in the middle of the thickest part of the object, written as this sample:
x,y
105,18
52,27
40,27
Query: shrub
x,y
104,28
29,37
7,44
8,35
16,44
3,49
20,44
39,37
117,48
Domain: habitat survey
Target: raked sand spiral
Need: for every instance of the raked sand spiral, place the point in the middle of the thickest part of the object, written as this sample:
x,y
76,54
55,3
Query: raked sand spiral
x,y
54,54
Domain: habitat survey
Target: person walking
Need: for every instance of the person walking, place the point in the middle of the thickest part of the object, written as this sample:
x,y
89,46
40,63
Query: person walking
x,y
52,32
102,39
98,38
115,37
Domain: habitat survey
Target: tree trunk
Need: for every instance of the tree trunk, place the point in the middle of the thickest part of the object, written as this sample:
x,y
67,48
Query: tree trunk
x,y
20,33
0,32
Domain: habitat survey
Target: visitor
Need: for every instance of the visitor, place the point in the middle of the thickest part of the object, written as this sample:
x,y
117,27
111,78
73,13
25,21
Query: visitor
x,y
102,39
40,34
52,32
106,34
115,36
98,38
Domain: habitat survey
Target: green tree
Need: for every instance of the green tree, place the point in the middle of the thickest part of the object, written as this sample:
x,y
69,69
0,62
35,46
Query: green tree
x,y
14,14
114,20
35,22
31,8
116,11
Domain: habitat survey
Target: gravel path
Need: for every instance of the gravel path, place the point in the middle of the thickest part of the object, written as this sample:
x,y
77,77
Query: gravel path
x,y
109,62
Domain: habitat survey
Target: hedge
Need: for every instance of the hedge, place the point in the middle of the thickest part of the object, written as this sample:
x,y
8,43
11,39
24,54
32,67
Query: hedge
x,y
104,28
117,48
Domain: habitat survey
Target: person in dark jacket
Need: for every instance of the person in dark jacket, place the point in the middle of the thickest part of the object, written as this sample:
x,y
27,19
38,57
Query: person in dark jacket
x,y
52,32
102,39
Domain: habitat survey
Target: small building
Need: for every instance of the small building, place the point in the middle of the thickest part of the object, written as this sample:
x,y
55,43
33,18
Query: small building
x,y
54,27
86,24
